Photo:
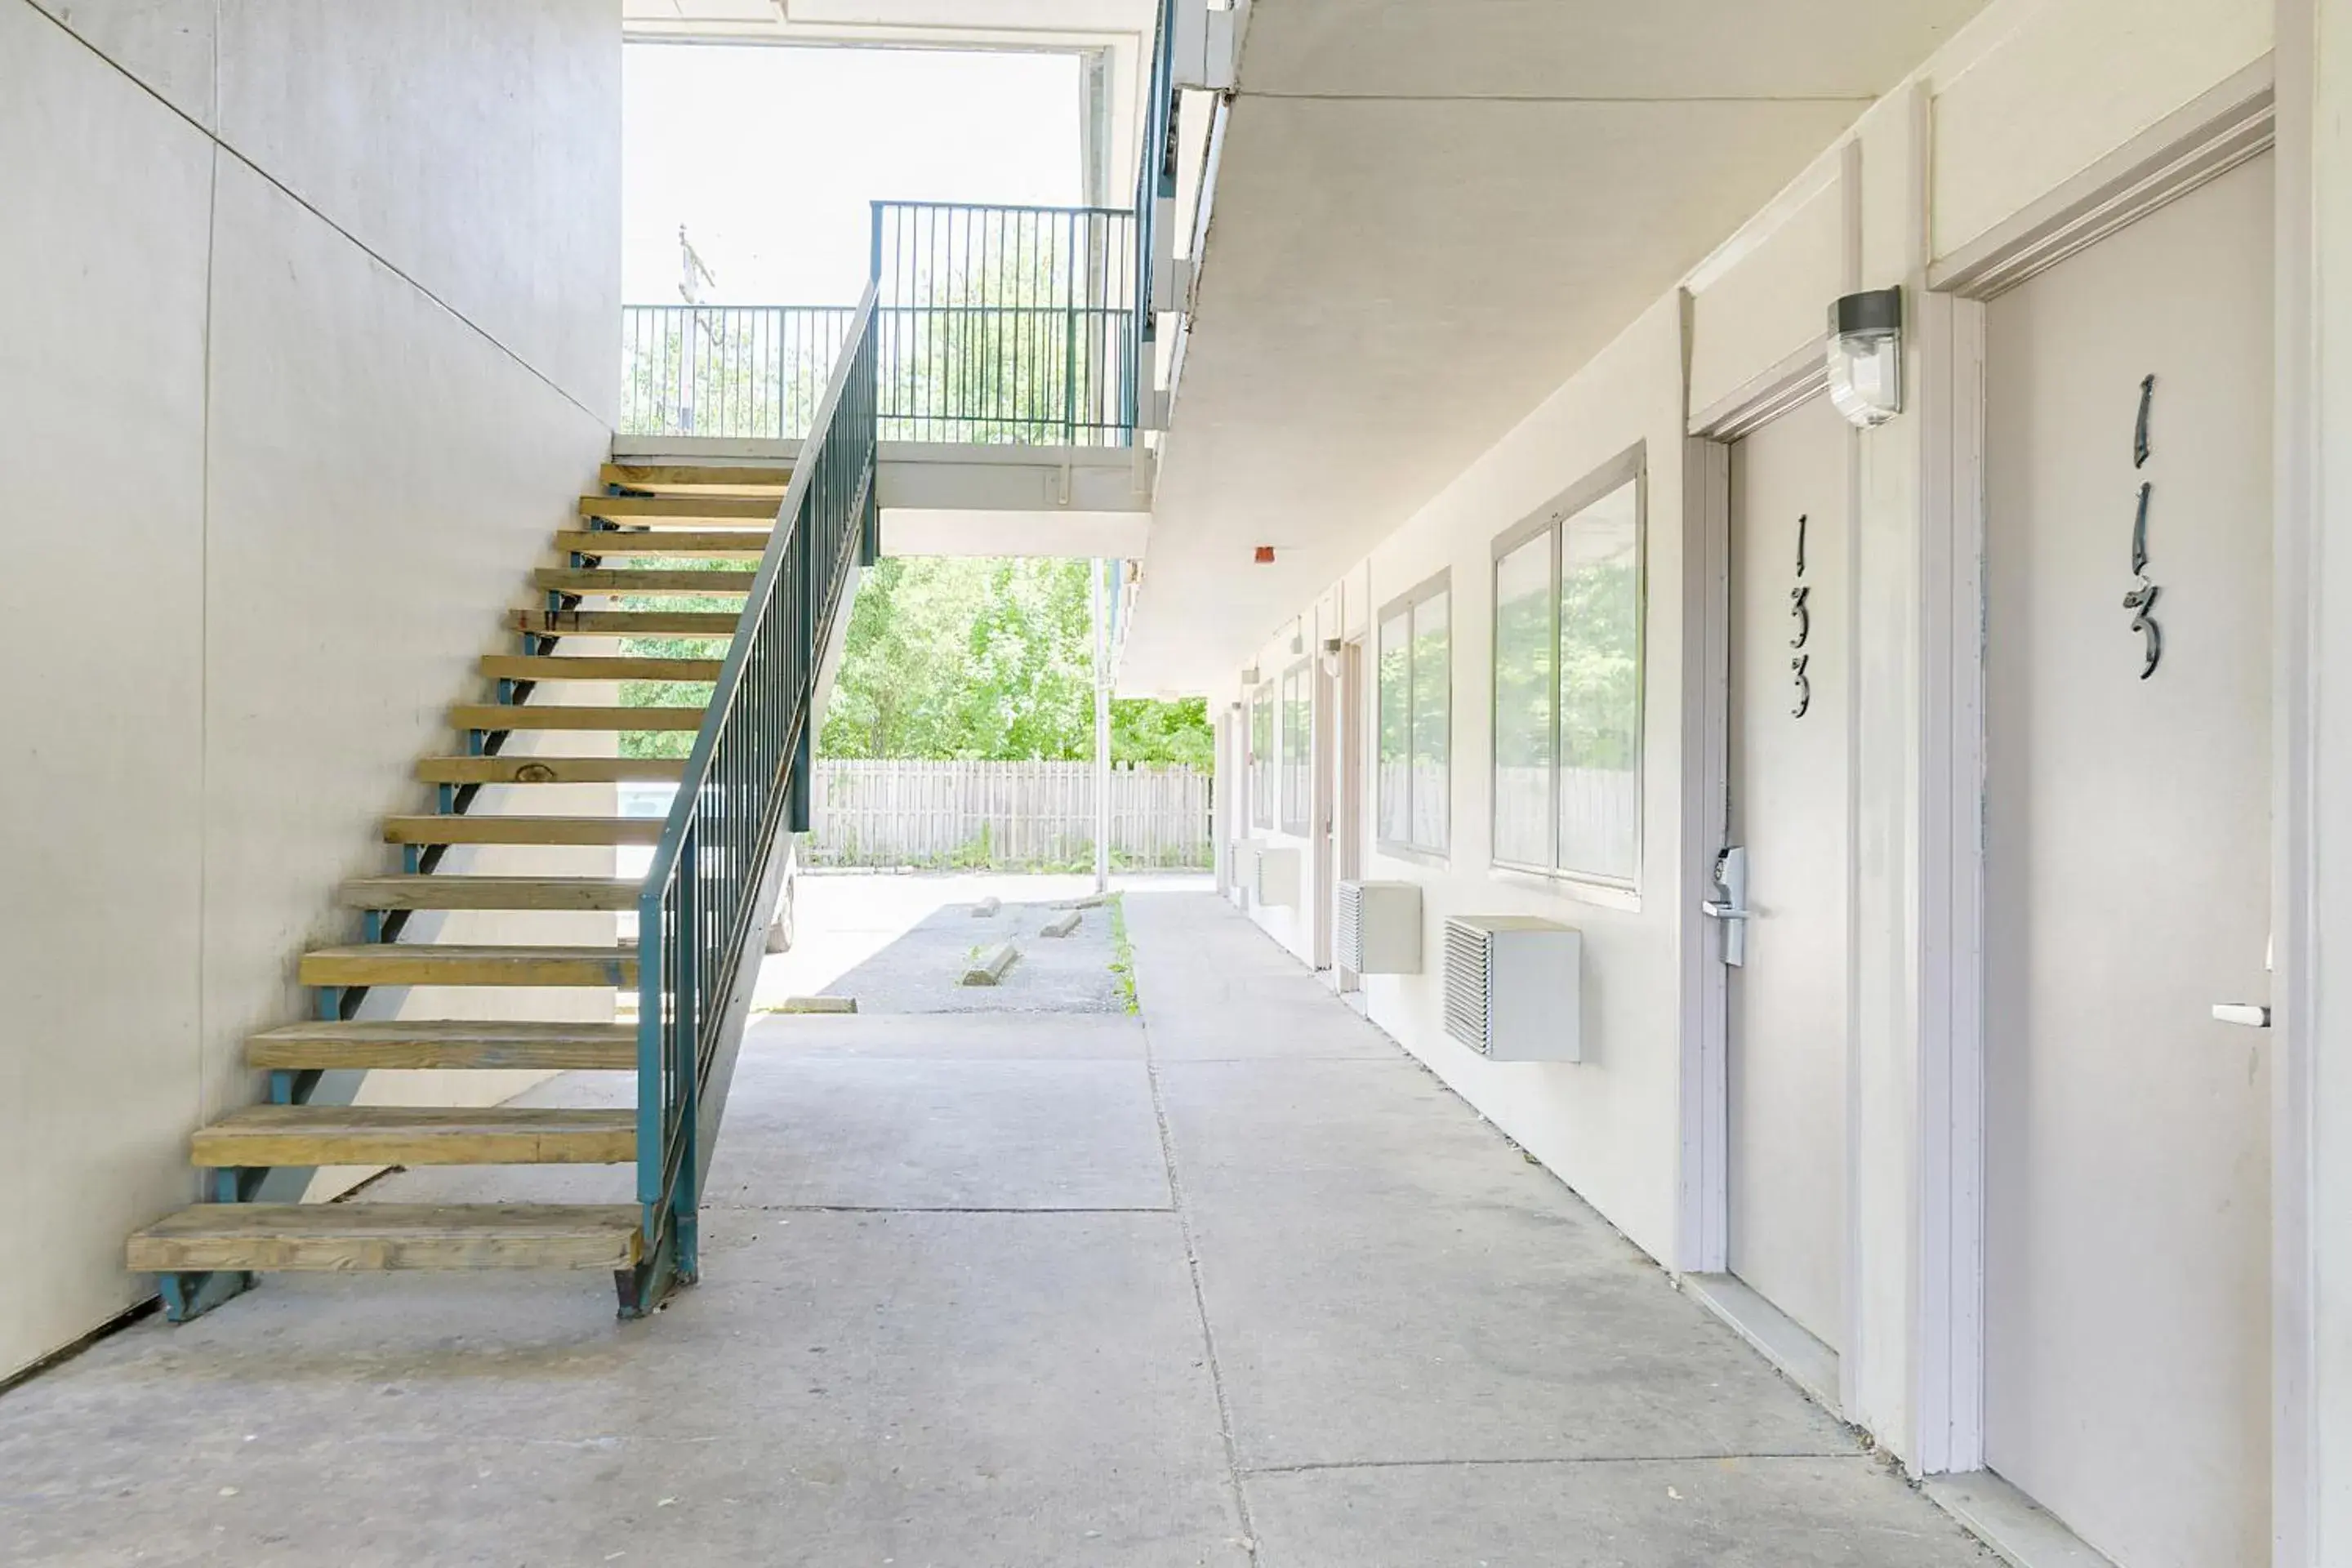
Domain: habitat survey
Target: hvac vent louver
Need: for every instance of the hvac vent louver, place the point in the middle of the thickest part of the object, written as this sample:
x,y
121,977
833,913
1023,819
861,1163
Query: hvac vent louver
x,y
1377,928
1514,987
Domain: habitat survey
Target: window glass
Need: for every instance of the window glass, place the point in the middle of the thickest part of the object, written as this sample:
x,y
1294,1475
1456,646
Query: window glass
x,y
1600,688
1432,677
1298,732
1395,729
1524,648
1261,764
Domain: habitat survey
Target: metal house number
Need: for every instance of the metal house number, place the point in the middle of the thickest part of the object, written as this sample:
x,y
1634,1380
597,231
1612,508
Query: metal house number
x,y
1797,608
2141,600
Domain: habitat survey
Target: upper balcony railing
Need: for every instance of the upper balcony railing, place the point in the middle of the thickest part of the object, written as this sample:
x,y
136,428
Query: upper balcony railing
x,y
995,324
1006,324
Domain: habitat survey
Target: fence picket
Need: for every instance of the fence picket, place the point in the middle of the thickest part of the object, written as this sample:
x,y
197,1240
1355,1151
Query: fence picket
x,y
1007,815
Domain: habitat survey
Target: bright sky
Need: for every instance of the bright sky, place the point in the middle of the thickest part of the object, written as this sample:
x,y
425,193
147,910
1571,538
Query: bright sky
x,y
768,155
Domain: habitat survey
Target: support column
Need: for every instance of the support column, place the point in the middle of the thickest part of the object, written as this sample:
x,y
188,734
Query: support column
x,y
1102,727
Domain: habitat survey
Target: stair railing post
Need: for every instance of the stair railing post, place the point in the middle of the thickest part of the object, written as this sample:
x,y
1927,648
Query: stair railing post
x,y
684,1196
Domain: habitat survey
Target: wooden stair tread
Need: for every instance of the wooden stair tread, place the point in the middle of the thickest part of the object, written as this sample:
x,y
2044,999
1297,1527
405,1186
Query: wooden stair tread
x,y
335,1237
719,477
467,1043
608,543
623,623
528,770
418,1135
456,963
464,892
760,509
581,667
641,580
570,716
451,828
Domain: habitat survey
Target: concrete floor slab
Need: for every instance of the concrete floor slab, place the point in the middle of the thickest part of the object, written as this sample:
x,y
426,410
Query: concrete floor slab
x,y
1069,1037
846,1388
932,1134
1391,1280
918,971
1368,1333
1321,1027
1723,1513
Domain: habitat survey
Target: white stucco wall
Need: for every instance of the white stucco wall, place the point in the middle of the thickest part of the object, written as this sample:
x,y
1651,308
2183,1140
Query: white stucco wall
x,y
311,352
2028,96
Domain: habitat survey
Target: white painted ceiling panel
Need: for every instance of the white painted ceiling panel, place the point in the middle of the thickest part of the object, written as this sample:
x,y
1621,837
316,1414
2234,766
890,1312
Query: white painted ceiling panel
x,y
1593,49
1429,214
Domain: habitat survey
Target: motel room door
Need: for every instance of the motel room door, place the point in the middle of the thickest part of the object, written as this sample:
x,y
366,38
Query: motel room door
x,y
2127,691
1786,1049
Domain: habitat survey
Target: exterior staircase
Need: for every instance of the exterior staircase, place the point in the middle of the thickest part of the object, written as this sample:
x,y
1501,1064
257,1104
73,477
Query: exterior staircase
x,y
657,530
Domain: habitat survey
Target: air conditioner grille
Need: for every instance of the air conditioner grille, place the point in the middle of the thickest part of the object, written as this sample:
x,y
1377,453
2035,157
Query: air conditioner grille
x,y
1469,956
1347,927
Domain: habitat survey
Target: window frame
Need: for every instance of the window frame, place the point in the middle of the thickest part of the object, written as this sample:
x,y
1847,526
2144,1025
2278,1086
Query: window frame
x,y
1262,762
1296,804
1404,603
1553,518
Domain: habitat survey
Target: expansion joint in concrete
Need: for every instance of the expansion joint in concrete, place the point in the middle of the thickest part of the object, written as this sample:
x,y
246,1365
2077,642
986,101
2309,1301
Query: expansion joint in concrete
x,y
1233,1471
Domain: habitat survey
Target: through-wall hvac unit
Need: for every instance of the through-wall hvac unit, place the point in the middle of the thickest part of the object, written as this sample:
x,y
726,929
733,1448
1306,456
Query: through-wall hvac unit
x,y
1274,876
1244,864
1514,987
1378,931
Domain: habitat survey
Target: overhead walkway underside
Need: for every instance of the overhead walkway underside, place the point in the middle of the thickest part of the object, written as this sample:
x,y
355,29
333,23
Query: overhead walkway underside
x,y
970,499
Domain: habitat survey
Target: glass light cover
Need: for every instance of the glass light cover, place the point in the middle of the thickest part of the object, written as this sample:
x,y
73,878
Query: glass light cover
x,y
1867,376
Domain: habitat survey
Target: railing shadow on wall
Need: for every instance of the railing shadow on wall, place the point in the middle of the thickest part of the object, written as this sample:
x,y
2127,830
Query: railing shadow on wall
x,y
1020,325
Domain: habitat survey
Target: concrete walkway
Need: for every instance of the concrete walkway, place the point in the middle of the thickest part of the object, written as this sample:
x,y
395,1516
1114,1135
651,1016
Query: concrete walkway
x,y
1232,1282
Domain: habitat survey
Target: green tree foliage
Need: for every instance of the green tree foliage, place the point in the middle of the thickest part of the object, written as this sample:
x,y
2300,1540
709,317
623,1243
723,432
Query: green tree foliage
x,y
988,659
1144,731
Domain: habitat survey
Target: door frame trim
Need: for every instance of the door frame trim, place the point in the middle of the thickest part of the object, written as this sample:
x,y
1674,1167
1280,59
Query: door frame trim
x,y
1948,1387
2231,123
1703,1189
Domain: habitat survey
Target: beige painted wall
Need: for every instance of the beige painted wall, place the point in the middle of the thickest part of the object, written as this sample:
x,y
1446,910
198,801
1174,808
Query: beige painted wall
x,y
1606,1126
2025,97
311,352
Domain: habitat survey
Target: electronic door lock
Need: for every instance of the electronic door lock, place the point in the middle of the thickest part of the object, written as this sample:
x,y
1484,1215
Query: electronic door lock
x,y
1731,875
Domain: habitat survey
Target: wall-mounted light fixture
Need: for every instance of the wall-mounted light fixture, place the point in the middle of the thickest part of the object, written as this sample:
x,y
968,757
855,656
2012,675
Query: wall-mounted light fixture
x,y
1866,356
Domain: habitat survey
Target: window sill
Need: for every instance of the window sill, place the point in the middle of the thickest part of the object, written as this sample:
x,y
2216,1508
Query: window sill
x,y
1568,885
1439,859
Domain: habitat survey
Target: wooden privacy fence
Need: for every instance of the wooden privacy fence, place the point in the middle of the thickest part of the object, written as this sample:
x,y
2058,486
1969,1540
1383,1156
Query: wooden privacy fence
x,y
1031,816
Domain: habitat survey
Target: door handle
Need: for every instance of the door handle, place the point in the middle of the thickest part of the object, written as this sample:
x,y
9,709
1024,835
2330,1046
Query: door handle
x,y
2250,1015
1731,875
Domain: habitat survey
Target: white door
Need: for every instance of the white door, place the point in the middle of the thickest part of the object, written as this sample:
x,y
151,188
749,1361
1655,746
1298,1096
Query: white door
x,y
2127,828
1787,999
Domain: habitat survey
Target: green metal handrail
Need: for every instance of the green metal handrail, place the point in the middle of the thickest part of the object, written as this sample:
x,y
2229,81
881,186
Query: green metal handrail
x,y
702,916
